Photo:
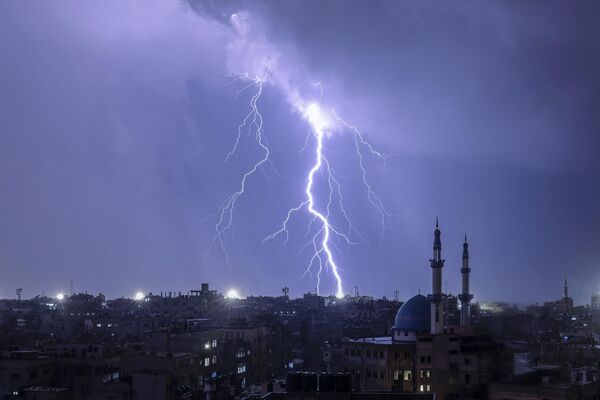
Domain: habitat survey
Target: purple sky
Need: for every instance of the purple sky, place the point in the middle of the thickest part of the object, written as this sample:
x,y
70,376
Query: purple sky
x,y
116,117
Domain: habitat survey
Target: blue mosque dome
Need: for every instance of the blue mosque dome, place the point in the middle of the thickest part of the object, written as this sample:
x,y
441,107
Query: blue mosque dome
x,y
414,315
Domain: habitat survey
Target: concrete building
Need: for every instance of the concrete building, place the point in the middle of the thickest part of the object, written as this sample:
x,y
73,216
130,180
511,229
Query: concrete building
x,y
21,369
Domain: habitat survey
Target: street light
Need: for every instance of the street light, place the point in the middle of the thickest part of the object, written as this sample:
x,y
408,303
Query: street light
x,y
233,294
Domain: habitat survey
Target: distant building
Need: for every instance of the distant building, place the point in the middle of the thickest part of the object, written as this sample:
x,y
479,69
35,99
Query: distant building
x,y
595,303
561,307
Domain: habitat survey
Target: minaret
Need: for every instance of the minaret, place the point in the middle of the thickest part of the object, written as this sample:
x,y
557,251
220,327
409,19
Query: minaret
x,y
465,297
435,298
566,289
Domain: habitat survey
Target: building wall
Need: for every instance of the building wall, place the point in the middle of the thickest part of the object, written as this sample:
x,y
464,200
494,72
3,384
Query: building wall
x,y
434,364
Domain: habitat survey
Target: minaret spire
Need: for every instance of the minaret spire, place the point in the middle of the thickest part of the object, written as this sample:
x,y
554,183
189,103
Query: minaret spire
x,y
465,297
435,298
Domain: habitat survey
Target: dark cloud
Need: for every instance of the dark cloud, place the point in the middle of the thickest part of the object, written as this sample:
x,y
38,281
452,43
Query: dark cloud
x,y
116,118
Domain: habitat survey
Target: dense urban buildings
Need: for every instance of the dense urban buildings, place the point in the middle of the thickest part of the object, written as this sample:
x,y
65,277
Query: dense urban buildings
x,y
204,345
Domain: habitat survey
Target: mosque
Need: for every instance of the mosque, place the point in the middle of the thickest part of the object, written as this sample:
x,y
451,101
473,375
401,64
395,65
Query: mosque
x,y
425,353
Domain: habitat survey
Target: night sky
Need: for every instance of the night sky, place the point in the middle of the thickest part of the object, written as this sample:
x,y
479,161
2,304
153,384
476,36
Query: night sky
x,y
116,117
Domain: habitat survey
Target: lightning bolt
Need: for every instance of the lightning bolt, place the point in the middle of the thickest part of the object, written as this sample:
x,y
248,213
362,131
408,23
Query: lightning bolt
x,y
253,121
359,144
321,243
321,239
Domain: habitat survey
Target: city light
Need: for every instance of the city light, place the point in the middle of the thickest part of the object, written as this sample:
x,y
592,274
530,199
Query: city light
x,y
139,296
60,296
233,294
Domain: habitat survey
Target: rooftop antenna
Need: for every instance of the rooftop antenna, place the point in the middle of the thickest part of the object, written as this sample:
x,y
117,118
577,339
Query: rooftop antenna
x,y
356,294
19,291
286,292
396,295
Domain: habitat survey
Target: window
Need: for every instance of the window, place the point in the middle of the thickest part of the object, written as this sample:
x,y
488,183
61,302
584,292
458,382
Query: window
x,y
395,354
207,361
214,359
214,343
428,359
421,388
428,388
381,354
241,368
407,375
368,373
381,375
397,375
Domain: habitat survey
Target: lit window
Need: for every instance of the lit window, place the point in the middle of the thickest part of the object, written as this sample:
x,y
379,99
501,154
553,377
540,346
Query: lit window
x,y
396,375
214,343
207,361
421,388
429,388
407,375
214,359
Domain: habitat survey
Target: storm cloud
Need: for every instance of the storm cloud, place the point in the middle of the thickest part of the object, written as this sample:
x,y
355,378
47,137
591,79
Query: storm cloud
x,y
116,117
